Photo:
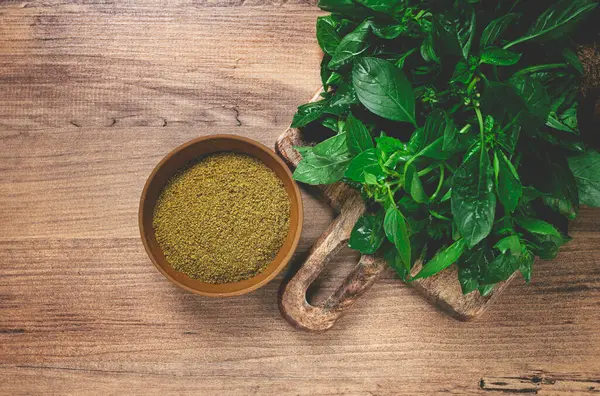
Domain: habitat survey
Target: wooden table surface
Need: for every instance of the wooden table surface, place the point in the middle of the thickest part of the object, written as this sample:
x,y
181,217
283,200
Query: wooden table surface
x,y
92,95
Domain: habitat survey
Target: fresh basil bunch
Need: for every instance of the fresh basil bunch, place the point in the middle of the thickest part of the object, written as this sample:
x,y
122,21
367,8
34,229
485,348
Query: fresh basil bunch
x,y
457,120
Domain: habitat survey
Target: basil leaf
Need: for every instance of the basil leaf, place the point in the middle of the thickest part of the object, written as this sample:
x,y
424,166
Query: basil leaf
x,y
537,226
414,186
526,265
427,50
536,99
327,36
308,113
473,201
389,145
555,22
352,45
500,269
435,151
397,232
463,72
494,29
452,139
586,169
392,257
508,183
470,266
388,32
384,6
573,60
554,122
359,137
549,173
442,260
326,74
486,290
457,33
339,104
499,57
344,7
510,244
368,234
332,147
468,280
325,163
317,170
384,89
365,162
304,151
435,125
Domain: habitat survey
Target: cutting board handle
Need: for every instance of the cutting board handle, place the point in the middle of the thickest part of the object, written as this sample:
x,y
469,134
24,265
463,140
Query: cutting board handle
x,y
293,302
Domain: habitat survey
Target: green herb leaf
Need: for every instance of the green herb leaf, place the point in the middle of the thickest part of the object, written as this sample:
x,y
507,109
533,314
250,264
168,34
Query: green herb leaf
x,y
557,20
359,137
351,46
384,89
325,163
499,57
494,29
463,72
442,260
327,36
554,122
397,233
457,32
526,266
389,145
308,113
508,183
368,234
572,59
537,226
414,186
384,6
345,7
473,199
486,290
586,169
332,147
365,162
317,170
388,32
536,98
500,269
392,257
510,244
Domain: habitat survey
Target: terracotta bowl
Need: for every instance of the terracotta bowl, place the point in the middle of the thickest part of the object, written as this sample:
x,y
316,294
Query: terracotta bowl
x,y
181,157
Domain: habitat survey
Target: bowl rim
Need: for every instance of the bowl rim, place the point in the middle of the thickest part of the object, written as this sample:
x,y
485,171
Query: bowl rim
x,y
297,197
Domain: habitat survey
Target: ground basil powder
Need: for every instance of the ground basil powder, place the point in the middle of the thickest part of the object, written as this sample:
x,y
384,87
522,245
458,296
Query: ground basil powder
x,y
222,219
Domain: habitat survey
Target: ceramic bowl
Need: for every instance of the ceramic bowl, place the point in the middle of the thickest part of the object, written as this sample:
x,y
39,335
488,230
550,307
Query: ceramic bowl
x,y
180,158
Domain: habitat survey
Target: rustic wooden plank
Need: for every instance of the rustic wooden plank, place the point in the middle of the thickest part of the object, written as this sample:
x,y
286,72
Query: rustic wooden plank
x,y
86,182
82,310
71,65
96,310
544,384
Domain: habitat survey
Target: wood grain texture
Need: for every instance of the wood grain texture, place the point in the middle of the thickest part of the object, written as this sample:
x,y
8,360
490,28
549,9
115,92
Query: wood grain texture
x,y
92,95
543,384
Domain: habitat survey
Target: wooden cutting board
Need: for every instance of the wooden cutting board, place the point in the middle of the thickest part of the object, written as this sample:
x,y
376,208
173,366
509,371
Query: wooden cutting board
x,y
442,290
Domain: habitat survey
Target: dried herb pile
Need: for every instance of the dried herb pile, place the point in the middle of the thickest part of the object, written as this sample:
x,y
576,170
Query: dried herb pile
x,y
222,219
458,122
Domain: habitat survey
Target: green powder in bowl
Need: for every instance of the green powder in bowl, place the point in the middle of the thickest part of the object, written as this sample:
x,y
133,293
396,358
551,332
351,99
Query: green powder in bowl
x,y
222,219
